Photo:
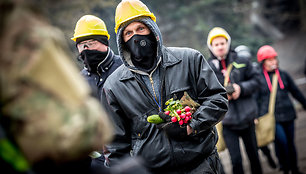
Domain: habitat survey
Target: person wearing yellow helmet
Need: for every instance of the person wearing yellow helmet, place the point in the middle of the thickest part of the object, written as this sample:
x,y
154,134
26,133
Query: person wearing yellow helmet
x,y
152,74
91,38
240,80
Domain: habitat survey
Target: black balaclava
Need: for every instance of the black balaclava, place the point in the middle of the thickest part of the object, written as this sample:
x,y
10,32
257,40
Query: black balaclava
x,y
92,58
143,50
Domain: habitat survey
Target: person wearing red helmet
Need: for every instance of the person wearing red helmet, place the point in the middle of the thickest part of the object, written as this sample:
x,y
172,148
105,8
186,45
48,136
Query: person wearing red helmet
x,y
284,109
244,52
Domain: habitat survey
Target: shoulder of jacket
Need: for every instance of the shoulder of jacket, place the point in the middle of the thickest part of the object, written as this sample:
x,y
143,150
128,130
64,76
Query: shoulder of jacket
x,y
284,75
283,72
210,59
122,72
182,49
182,52
116,59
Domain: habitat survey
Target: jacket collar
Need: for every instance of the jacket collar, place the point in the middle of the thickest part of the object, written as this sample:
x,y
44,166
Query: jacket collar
x,y
169,58
106,63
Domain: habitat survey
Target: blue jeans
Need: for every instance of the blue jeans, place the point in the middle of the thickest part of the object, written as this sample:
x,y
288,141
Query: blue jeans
x,y
285,146
231,138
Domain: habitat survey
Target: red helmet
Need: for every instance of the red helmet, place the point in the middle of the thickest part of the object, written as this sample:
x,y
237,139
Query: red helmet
x,y
265,52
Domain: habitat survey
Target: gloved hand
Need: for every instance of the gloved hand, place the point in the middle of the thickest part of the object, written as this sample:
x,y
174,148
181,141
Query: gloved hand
x,y
230,89
173,130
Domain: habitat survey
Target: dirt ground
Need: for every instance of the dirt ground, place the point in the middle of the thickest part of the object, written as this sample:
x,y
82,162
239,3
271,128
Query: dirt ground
x,y
300,139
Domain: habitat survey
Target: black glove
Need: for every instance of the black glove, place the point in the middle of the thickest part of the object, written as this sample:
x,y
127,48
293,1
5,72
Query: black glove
x,y
165,117
173,130
230,89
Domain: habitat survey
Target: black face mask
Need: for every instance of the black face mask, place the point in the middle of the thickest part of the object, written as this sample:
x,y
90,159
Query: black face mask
x,y
92,58
143,51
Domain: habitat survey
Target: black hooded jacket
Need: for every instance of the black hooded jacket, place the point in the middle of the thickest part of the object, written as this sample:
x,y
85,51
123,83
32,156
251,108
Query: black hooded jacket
x,y
243,111
284,109
108,66
129,101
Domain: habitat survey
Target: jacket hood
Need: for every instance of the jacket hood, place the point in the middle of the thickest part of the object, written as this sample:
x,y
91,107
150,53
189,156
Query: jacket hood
x,y
125,54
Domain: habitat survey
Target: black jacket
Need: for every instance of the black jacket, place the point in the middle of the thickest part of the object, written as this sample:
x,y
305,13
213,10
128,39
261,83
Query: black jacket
x,y
243,111
108,66
129,102
284,109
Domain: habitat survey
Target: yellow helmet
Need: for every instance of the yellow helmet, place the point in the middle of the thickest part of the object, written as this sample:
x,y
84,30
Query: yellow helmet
x,y
89,25
130,9
217,32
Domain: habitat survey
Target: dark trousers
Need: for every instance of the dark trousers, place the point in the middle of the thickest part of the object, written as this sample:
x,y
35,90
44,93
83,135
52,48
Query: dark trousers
x,y
231,137
211,164
285,146
266,152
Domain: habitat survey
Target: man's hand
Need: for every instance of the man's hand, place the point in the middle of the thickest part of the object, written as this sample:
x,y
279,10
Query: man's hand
x,y
235,94
256,121
189,130
173,129
229,97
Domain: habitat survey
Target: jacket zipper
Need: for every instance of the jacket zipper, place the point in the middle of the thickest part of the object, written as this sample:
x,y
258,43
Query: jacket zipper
x,y
155,96
173,159
145,88
161,105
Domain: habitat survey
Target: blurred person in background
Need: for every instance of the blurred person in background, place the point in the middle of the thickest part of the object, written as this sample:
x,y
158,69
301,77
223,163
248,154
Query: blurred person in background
x,y
49,123
151,75
240,79
91,38
244,52
284,109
